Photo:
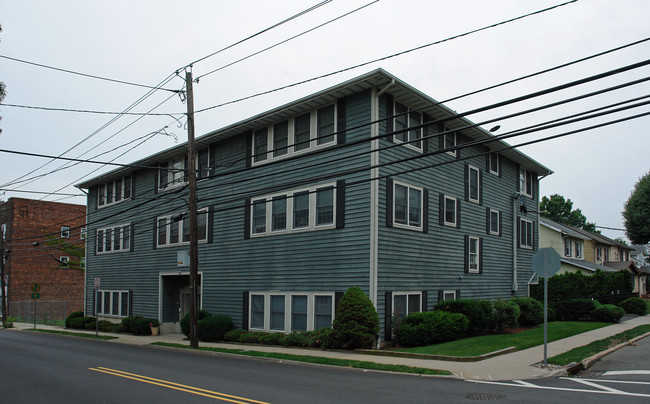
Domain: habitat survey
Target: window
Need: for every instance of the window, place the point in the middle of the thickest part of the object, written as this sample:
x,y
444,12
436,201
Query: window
x,y
114,191
473,184
290,311
65,231
308,209
313,129
203,168
567,248
473,254
495,222
82,233
606,257
578,249
525,233
114,239
406,118
450,210
449,141
526,182
64,260
448,295
407,205
114,303
175,229
494,163
406,303
172,174
599,254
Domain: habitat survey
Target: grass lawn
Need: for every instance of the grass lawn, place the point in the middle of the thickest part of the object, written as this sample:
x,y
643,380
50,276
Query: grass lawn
x,y
484,344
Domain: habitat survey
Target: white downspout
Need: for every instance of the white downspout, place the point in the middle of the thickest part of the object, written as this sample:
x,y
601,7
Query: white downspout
x,y
374,197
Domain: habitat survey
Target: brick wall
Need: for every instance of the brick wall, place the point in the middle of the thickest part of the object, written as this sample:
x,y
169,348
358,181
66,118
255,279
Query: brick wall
x,y
31,221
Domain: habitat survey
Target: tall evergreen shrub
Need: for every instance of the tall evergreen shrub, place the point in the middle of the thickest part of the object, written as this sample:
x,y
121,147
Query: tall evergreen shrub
x,y
356,323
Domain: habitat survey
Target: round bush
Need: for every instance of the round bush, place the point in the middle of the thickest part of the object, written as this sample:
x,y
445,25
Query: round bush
x,y
532,310
574,309
432,327
141,326
478,312
608,313
129,323
79,323
356,323
214,328
185,321
634,305
506,314
72,315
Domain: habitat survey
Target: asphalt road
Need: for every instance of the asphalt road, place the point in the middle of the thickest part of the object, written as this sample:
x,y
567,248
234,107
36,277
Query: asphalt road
x,y
43,368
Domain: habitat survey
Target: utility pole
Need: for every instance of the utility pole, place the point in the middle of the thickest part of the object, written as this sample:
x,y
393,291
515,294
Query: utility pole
x,y
194,242
3,289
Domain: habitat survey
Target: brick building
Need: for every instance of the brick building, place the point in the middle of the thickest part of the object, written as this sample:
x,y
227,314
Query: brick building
x,y
46,241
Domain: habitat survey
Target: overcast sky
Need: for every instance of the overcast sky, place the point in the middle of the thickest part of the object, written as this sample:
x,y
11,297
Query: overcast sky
x,y
145,42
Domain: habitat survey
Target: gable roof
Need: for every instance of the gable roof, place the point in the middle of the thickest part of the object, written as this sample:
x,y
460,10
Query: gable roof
x,y
561,228
599,238
379,79
588,265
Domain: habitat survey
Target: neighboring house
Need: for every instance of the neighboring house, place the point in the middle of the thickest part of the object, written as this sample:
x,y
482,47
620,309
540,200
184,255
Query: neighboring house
x,y
341,188
640,255
46,241
583,251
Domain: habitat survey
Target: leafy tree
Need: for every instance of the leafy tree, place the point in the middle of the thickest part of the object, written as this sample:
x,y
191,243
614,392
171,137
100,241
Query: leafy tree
x,y
621,240
69,249
637,212
560,210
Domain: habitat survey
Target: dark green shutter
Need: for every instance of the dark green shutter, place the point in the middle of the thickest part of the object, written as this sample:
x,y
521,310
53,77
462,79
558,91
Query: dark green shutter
x,y
388,317
341,120
247,218
389,115
340,204
425,210
389,202
244,317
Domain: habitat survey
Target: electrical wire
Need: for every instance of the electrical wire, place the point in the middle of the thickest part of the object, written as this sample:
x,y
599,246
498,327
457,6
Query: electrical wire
x,y
88,111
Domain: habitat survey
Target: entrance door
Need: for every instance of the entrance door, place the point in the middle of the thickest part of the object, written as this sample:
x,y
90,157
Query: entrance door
x,y
186,302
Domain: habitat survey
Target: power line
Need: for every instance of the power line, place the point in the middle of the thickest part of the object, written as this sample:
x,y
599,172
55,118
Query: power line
x,y
85,74
385,57
40,192
88,111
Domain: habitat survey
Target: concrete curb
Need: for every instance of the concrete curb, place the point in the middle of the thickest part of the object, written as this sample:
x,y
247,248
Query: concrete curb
x,y
587,363
438,357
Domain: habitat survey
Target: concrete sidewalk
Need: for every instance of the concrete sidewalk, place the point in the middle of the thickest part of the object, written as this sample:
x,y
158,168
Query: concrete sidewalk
x,y
516,365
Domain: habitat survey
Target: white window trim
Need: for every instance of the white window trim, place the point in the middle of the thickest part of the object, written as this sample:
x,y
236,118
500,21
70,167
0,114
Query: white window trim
x,y
407,294
471,168
567,243
444,141
445,293
492,156
523,182
112,231
444,211
168,219
498,230
407,225
409,142
65,261
65,231
100,306
102,199
289,211
578,249
522,241
311,309
83,233
470,254
313,137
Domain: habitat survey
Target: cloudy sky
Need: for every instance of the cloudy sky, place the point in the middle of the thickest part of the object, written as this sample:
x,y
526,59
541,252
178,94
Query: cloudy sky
x,y
145,42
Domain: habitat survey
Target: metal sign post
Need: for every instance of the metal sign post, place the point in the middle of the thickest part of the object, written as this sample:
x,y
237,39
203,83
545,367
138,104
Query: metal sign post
x,y
35,296
546,262
97,283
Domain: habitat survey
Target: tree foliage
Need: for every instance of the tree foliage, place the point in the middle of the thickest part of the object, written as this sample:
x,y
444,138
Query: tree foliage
x,y
557,209
637,212
356,323
68,248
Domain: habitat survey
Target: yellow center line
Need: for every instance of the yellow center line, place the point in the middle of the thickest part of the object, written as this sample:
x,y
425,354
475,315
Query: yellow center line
x,y
177,386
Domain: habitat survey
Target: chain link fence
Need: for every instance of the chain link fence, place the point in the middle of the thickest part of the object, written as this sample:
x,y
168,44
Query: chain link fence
x,y
44,311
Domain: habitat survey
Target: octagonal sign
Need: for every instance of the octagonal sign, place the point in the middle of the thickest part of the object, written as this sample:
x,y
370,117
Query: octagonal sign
x,y
546,262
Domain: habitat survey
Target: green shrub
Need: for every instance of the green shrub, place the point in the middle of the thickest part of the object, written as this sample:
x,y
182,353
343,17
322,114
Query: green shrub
x,y
128,323
608,313
574,309
234,335
252,337
140,325
356,323
185,321
478,312
79,323
432,327
506,314
72,315
214,328
634,305
532,310
273,338
323,338
296,338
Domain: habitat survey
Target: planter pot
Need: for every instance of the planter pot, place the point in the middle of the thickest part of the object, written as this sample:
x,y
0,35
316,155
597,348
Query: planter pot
x,y
155,330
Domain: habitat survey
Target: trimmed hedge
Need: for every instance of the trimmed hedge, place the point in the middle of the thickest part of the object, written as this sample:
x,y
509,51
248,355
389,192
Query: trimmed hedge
x,y
578,285
213,328
574,309
72,315
79,323
608,313
506,314
478,312
532,311
185,321
432,327
634,305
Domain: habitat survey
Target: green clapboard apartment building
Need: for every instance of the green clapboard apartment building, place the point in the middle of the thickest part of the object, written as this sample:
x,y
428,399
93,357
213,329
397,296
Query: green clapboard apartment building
x,y
369,183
